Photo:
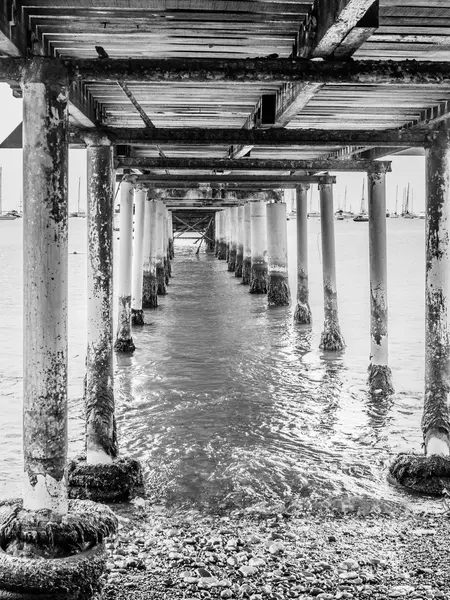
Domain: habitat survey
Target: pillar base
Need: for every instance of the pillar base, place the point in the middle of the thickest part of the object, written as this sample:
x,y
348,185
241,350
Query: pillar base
x,y
166,271
331,338
42,556
171,249
232,260
246,270
222,251
380,379
258,279
302,314
278,293
112,482
239,266
137,317
150,292
126,346
161,281
425,474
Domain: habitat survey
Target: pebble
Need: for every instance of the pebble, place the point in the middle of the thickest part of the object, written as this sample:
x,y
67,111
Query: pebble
x,y
400,591
226,594
248,571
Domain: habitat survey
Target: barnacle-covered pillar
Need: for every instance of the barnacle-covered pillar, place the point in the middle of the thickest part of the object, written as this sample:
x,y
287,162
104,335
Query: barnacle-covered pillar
x,y
216,232
160,251
247,246
170,227
239,242
278,292
431,472
167,270
150,294
124,340
331,338
302,313
380,376
101,474
137,313
40,531
258,273
233,238
227,233
222,248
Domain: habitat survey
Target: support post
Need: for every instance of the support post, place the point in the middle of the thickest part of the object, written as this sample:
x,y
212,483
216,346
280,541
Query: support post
x,y
247,251
171,248
233,238
227,233
331,338
146,275
166,245
216,233
239,242
222,250
430,473
258,275
150,281
160,253
137,314
302,313
169,242
101,434
278,292
380,375
124,341
45,256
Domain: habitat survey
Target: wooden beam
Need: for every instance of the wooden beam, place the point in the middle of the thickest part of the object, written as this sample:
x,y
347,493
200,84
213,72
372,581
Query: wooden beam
x,y
217,164
13,35
211,70
228,182
264,137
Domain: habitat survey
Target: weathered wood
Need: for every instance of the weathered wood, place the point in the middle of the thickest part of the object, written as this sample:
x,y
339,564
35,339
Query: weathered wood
x,y
174,180
419,73
264,137
251,164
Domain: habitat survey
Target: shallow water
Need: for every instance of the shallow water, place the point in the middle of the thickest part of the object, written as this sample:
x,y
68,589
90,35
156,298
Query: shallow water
x,y
227,402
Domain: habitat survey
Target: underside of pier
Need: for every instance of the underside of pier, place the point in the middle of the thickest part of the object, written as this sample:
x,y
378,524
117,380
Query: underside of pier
x,y
196,91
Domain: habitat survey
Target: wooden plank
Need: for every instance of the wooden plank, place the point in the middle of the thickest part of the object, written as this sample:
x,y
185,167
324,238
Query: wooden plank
x,y
226,164
231,182
266,137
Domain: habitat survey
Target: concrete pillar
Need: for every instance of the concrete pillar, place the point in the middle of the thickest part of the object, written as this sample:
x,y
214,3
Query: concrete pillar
x,y
160,253
247,250
302,313
239,242
233,238
278,292
137,314
216,233
380,376
166,246
258,274
222,250
101,433
150,294
436,417
169,250
124,341
170,225
45,266
331,338
228,232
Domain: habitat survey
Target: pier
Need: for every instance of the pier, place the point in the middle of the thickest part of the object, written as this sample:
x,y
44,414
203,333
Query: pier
x,y
204,123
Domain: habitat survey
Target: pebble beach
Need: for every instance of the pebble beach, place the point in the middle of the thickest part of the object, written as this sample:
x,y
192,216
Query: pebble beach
x,y
272,555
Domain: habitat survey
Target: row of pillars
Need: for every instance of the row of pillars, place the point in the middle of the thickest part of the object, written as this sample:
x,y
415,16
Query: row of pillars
x,y
144,260
253,239
45,411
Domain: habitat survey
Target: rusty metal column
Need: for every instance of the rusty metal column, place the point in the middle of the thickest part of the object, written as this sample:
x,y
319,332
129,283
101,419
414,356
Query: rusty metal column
x,y
302,313
137,314
331,338
380,376
124,341
233,238
247,253
45,266
258,275
278,292
159,243
101,434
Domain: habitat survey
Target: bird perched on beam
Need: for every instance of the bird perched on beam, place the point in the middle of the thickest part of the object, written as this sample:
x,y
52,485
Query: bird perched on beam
x,y
101,52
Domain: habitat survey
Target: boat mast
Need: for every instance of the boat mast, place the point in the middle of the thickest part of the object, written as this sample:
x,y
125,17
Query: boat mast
x,y
362,209
407,201
79,188
1,208
396,200
345,199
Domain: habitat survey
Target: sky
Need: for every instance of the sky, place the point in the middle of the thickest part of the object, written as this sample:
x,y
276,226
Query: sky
x,y
405,169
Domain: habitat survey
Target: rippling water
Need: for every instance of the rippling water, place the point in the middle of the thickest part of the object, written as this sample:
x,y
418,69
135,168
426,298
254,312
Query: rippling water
x,y
225,400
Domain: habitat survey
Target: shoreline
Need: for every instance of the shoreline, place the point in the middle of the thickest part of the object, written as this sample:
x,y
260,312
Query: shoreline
x,y
188,554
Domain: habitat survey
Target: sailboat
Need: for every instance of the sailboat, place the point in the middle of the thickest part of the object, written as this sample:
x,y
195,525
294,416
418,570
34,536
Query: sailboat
x,y
395,215
78,213
312,213
362,216
339,214
8,216
406,213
